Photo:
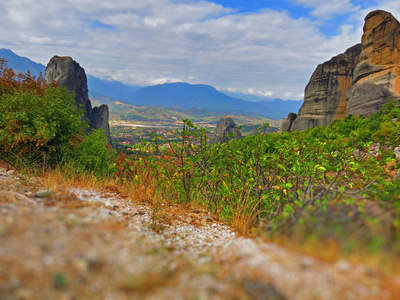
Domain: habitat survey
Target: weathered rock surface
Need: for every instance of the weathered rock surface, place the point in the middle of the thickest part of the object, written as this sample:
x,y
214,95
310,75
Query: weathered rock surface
x,y
325,94
377,74
68,73
357,82
226,126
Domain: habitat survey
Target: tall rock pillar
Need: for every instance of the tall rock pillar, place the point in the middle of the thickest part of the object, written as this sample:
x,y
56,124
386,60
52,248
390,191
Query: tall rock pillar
x,y
68,73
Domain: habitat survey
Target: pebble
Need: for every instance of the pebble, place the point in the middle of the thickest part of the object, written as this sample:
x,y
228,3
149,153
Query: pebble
x,y
397,152
23,294
11,285
4,230
44,194
306,262
343,266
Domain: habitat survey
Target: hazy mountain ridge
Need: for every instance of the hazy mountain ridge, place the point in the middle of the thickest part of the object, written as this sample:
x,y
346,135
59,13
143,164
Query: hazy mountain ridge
x,y
205,97
198,96
276,106
113,89
21,64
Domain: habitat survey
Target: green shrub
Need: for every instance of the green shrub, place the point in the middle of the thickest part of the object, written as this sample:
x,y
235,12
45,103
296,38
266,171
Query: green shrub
x,y
396,113
93,154
39,128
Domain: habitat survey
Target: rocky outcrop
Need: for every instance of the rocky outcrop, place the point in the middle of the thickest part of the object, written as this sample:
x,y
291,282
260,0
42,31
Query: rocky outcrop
x,y
288,122
357,82
325,94
377,74
68,73
225,127
99,119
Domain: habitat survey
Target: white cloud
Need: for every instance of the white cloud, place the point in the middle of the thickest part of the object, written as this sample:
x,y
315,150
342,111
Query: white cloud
x,y
326,9
392,6
156,41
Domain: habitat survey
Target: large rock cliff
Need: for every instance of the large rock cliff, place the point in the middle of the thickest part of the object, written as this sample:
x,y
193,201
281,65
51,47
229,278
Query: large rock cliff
x,y
377,74
325,94
357,82
68,73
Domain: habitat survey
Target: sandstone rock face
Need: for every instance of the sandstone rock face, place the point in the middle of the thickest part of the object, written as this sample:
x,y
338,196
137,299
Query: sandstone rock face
x,y
357,82
325,94
377,74
225,126
68,73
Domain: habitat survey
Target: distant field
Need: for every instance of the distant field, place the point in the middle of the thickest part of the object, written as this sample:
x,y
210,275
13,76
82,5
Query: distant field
x,y
131,124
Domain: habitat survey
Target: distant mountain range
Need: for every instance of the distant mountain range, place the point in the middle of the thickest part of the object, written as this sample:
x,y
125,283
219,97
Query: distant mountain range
x,y
206,97
171,95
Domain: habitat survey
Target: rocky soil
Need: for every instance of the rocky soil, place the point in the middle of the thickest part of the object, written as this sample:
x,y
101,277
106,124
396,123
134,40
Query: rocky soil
x,y
88,244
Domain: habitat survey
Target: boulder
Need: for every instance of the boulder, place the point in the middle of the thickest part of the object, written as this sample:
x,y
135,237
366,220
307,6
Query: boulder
x,y
226,126
68,73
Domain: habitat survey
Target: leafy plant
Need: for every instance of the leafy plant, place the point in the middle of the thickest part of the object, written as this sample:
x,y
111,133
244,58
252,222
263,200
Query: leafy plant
x,y
94,155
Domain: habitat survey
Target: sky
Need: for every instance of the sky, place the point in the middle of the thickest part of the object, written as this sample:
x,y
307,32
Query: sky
x,y
266,48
